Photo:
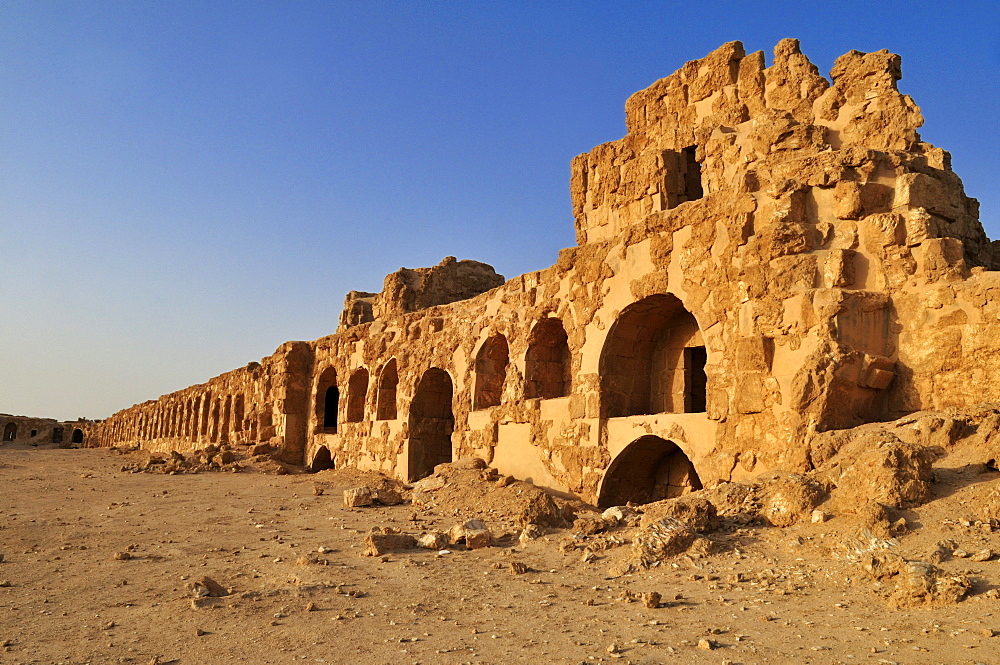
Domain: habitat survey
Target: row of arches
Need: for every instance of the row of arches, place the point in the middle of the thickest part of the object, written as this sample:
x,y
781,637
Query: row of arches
x,y
198,418
431,419
547,375
653,361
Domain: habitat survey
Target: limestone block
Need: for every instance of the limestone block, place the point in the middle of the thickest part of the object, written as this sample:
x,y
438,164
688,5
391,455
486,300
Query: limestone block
x,y
919,190
357,497
748,395
920,226
942,258
838,269
433,541
847,200
474,533
750,353
378,544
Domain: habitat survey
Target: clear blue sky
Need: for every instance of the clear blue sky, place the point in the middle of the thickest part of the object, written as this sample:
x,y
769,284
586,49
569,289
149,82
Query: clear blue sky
x,y
186,185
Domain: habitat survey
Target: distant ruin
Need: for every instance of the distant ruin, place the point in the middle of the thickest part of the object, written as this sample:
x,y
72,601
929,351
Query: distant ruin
x,y
766,255
47,431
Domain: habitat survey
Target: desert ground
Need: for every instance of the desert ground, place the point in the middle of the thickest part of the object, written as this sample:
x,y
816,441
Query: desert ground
x,y
99,565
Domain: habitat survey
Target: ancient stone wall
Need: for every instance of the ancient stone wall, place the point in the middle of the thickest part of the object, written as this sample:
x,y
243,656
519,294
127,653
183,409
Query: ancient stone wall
x,y
765,255
46,431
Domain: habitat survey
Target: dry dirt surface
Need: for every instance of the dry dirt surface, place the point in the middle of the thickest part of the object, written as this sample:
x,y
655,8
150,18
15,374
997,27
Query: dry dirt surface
x,y
102,565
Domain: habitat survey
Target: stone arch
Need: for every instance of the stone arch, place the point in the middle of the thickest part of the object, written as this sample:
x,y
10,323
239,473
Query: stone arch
x,y
206,401
195,414
321,460
385,399
431,423
227,417
357,391
239,424
216,419
653,360
326,401
10,432
648,469
77,436
491,371
547,370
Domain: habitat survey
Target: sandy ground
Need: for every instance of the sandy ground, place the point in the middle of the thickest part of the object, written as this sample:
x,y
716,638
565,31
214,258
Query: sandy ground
x,y
302,592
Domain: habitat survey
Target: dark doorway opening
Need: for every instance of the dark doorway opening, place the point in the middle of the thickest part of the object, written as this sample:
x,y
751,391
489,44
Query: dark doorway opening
x,y
431,423
322,460
649,469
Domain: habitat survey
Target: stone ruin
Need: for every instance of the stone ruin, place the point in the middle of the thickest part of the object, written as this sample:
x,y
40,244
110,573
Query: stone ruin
x,y
765,257
47,431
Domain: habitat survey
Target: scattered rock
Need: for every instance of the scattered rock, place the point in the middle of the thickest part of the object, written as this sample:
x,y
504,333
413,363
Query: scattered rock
x,y
983,555
913,583
474,533
530,532
589,525
517,568
651,599
357,497
388,496
434,540
380,543
696,512
626,515
122,556
666,538
207,587
706,644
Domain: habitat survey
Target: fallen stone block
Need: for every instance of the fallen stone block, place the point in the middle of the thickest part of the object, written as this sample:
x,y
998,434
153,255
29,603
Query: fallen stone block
x,y
357,497
433,541
381,543
474,533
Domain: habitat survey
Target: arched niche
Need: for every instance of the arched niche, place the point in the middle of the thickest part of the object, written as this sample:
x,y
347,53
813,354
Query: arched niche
x,y
357,391
326,401
547,361
431,423
491,371
385,400
648,469
653,360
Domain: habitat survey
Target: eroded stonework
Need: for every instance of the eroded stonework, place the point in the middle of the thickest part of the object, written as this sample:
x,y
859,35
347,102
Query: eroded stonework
x,y
765,256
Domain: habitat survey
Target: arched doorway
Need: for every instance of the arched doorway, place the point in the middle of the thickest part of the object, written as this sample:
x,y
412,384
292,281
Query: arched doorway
x,y
431,423
491,371
357,391
10,432
649,469
77,436
385,400
653,361
326,402
547,361
322,460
